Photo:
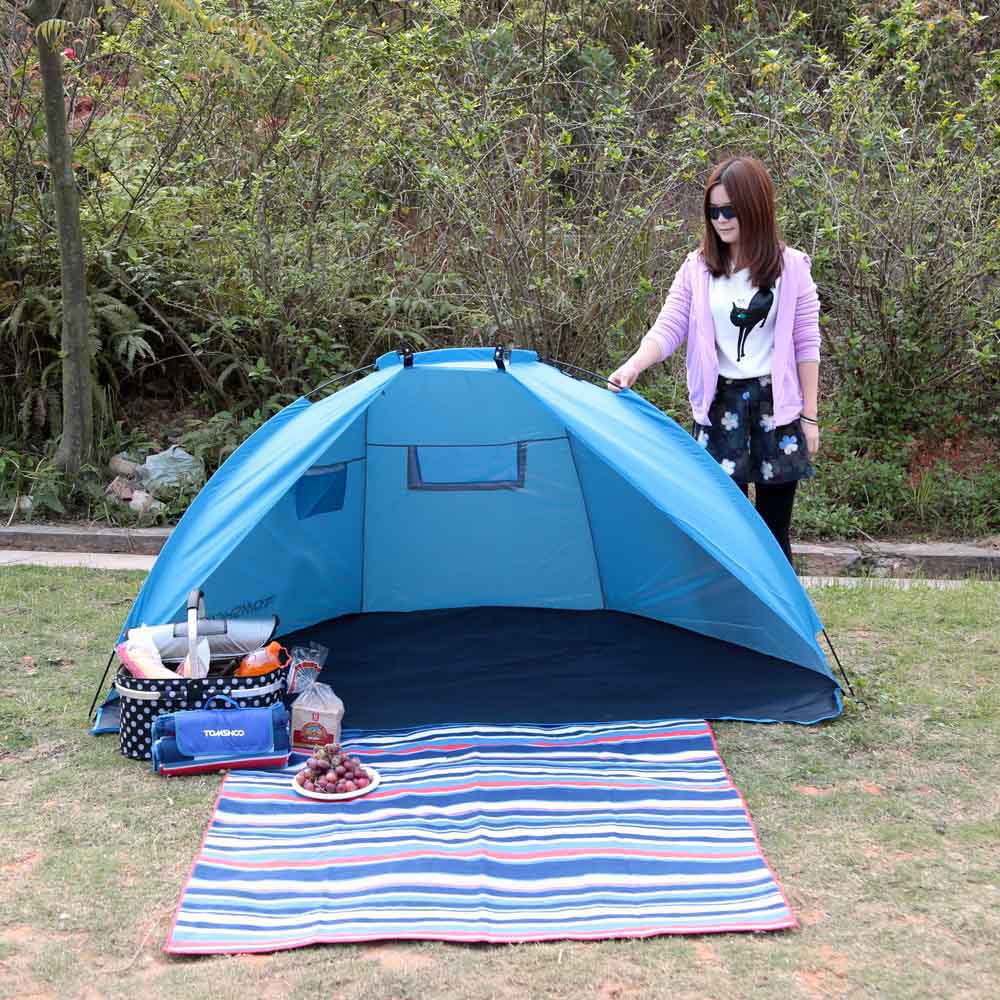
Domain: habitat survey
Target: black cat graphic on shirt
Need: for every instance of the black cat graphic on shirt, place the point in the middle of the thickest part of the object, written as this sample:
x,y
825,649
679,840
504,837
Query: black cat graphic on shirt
x,y
745,318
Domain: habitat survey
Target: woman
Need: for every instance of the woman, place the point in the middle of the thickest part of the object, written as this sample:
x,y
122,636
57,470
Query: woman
x,y
748,307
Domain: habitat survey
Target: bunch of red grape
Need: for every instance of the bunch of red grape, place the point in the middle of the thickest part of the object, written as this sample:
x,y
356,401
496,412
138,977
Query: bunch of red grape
x,y
332,772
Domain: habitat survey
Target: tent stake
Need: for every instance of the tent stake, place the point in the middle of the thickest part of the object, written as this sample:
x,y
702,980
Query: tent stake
x,y
100,686
843,672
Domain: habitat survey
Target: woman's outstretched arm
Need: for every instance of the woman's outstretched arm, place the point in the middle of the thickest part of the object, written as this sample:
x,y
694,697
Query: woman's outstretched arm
x,y
665,335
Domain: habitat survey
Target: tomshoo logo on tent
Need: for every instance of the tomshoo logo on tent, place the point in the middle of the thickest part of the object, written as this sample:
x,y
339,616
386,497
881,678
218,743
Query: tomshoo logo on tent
x,y
224,732
245,609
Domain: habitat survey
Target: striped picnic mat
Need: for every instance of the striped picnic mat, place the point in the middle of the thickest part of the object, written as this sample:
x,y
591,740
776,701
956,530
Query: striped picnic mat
x,y
486,833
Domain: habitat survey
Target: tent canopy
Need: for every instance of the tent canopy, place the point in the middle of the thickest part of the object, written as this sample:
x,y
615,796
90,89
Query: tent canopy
x,y
458,533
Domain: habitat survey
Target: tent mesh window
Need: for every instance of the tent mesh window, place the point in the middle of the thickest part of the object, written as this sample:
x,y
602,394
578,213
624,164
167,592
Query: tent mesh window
x,y
466,467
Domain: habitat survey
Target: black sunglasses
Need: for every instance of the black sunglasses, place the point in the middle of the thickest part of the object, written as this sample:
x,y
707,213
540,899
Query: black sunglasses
x,y
726,211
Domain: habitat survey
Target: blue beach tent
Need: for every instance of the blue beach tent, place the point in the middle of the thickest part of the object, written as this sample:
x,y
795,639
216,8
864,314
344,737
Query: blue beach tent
x,y
492,541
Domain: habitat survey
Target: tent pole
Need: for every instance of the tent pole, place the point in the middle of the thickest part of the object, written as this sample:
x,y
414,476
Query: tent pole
x,y
100,686
600,379
843,672
338,378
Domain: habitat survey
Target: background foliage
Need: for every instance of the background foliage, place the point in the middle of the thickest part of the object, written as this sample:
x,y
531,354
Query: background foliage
x,y
273,193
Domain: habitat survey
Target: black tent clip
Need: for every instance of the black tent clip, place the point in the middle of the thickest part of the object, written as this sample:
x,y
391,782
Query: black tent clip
x,y
498,357
407,354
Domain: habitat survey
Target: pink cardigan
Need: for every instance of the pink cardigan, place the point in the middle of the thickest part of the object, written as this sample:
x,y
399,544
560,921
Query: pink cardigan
x,y
686,313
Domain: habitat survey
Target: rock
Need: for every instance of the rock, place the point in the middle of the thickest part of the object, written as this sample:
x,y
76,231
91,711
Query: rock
x,y
121,488
144,503
122,465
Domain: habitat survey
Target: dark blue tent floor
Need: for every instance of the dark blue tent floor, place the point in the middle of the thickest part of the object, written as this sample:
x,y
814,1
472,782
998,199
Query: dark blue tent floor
x,y
503,664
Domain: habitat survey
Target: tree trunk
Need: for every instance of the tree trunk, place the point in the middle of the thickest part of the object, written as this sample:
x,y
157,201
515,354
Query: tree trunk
x,y
76,443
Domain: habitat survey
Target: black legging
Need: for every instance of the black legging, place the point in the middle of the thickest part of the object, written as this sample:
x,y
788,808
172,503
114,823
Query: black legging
x,y
774,504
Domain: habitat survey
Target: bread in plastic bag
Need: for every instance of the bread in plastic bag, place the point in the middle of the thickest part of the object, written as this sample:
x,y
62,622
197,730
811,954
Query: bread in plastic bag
x,y
316,717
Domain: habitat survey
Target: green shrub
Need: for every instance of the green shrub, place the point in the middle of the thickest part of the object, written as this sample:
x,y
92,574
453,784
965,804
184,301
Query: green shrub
x,y
943,502
257,221
215,439
31,484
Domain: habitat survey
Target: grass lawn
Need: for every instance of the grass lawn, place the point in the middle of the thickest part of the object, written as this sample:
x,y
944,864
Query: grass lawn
x,y
883,828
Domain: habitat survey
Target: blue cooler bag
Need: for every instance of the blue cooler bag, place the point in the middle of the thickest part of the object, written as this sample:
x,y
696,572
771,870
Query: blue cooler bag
x,y
220,739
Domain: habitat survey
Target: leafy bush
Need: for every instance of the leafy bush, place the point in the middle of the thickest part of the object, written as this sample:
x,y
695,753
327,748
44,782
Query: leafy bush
x,y
272,199
215,439
30,483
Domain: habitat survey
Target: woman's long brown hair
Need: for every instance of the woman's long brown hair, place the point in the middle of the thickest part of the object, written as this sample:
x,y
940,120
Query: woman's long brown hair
x,y
751,193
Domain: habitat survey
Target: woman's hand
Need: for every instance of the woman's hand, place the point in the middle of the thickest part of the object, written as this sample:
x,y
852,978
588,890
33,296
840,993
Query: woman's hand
x,y
811,434
624,377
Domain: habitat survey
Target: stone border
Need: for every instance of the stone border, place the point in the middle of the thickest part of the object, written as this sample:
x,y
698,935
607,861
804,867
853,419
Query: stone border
x,y
947,560
137,541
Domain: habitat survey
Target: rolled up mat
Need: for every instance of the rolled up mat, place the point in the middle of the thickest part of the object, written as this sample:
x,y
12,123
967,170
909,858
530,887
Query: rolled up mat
x,y
169,761
212,739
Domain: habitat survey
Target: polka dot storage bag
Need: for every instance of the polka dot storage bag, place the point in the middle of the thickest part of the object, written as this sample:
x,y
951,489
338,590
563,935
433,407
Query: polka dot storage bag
x,y
142,700
145,698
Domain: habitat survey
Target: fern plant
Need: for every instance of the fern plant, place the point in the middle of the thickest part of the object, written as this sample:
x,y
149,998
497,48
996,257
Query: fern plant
x,y
125,332
30,337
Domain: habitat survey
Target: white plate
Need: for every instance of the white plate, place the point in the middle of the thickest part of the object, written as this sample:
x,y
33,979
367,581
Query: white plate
x,y
373,782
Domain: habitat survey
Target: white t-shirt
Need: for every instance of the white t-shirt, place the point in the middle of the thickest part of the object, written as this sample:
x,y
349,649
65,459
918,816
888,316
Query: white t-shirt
x,y
743,352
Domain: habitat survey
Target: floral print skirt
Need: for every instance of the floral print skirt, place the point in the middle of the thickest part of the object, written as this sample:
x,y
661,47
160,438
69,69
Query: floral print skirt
x,y
744,439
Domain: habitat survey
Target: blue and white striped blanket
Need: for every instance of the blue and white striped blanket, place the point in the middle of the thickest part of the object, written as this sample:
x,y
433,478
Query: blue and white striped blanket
x,y
487,833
